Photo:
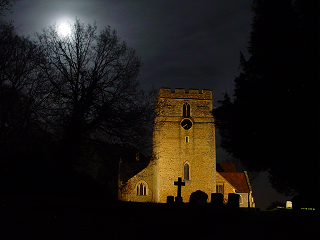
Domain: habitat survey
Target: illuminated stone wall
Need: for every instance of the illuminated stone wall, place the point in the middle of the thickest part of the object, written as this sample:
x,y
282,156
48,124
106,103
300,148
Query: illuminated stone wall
x,y
128,191
244,198
227,187
174,146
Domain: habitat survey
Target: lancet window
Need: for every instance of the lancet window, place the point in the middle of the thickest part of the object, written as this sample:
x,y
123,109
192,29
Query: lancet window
x,y
141,189
186,170
186,110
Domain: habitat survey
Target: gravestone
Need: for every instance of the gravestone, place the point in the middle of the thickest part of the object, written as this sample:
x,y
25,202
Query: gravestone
x,y
288,205
198,198
217,199
170,199
179,183
233,201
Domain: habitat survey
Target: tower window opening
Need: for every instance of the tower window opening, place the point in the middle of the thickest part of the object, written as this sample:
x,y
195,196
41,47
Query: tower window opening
x,y
186,110
187,139
186,171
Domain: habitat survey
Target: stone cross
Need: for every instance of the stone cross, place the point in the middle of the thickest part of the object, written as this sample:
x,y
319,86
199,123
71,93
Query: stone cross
x,y
179,183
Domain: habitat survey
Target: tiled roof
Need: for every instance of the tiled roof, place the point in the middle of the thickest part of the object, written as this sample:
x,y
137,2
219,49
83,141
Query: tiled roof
x,y
237,180
223,167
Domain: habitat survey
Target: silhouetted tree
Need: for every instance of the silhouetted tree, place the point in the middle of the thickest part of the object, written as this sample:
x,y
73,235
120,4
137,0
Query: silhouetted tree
x,y
272,123
6,6
94,92
24,145
21,88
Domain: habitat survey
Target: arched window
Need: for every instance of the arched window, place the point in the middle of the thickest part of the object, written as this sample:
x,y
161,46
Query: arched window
x,y
186,110
141,189
186,171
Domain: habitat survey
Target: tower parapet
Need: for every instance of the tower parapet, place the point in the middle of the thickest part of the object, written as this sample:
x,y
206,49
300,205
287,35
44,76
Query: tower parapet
x,y
182,93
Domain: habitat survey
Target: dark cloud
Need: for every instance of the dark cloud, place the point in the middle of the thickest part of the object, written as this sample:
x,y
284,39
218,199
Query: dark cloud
x,y
187,44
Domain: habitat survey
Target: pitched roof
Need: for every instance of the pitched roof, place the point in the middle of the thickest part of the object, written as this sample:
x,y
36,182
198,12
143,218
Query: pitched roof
x,y
223,167
129,169
237,180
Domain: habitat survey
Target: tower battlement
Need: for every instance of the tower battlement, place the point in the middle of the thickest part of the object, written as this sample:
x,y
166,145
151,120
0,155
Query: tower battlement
x,y
182,93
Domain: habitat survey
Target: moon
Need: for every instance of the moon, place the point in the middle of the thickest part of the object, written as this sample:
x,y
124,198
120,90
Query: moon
x,y
64,29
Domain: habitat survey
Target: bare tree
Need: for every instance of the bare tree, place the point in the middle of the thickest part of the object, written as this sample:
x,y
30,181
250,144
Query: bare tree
x,y
6,6
94,92
21,88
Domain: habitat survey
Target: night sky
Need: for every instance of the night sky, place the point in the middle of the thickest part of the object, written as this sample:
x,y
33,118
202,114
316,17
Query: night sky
x,y
182,44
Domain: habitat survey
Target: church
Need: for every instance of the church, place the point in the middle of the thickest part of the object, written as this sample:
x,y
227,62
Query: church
x,y
183,147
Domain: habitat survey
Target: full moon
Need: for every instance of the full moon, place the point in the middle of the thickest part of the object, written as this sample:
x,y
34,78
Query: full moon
x,y
64,29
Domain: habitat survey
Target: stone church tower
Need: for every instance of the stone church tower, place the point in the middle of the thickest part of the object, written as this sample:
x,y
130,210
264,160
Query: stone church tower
x,y
184,143
183,146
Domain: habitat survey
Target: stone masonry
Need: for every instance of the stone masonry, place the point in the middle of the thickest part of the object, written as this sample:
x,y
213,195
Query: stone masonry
x,y
183,147
175,146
